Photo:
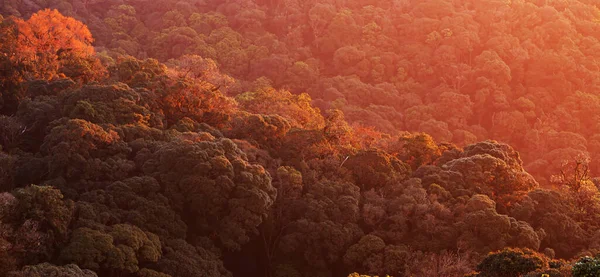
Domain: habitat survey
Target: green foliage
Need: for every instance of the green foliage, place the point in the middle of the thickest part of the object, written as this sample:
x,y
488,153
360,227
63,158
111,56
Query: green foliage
x,y
510,262
124,247
586,266
45,205
96,250
135,201
212,183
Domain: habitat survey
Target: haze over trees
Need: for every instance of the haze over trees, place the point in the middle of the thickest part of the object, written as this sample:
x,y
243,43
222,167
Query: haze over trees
x,y
299,138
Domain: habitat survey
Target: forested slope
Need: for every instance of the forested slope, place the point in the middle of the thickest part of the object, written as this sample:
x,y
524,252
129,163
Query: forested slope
x,y
210,161
522,72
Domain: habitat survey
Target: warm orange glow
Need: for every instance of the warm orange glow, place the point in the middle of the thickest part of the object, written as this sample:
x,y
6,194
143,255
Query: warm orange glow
x,y
300,138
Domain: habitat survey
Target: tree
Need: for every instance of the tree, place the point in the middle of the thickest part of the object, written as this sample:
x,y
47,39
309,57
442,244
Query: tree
x,y
295,108
80,150
266,130
586,266
509,263
136,201
33,225
210,183
374,169
198,100
194,66
179,40
204,23
371,255
416,149
336,128
46,46
320,16
46,205
345,59
123,248
52,44
582,192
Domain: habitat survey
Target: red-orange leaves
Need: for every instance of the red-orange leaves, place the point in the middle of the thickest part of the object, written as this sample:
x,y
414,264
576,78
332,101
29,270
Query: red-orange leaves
x,y
198,101
47,46
49,42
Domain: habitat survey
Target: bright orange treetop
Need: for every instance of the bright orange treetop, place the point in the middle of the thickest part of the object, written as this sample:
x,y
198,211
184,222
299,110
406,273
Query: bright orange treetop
x,y
49,41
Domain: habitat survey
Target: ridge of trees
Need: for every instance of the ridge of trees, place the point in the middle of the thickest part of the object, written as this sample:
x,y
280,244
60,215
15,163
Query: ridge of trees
x,y
522,72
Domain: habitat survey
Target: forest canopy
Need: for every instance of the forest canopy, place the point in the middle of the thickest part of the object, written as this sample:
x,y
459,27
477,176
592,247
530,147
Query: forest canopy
x,y
299,138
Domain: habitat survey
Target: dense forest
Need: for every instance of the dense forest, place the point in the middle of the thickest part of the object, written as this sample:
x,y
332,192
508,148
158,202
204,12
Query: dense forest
x,y
299,138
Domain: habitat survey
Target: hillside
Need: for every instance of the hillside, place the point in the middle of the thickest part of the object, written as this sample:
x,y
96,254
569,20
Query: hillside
x,y
284,138
521,72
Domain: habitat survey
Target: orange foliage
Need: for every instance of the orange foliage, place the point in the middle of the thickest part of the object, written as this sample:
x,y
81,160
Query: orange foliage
x,y
296,108
198,101
48,42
